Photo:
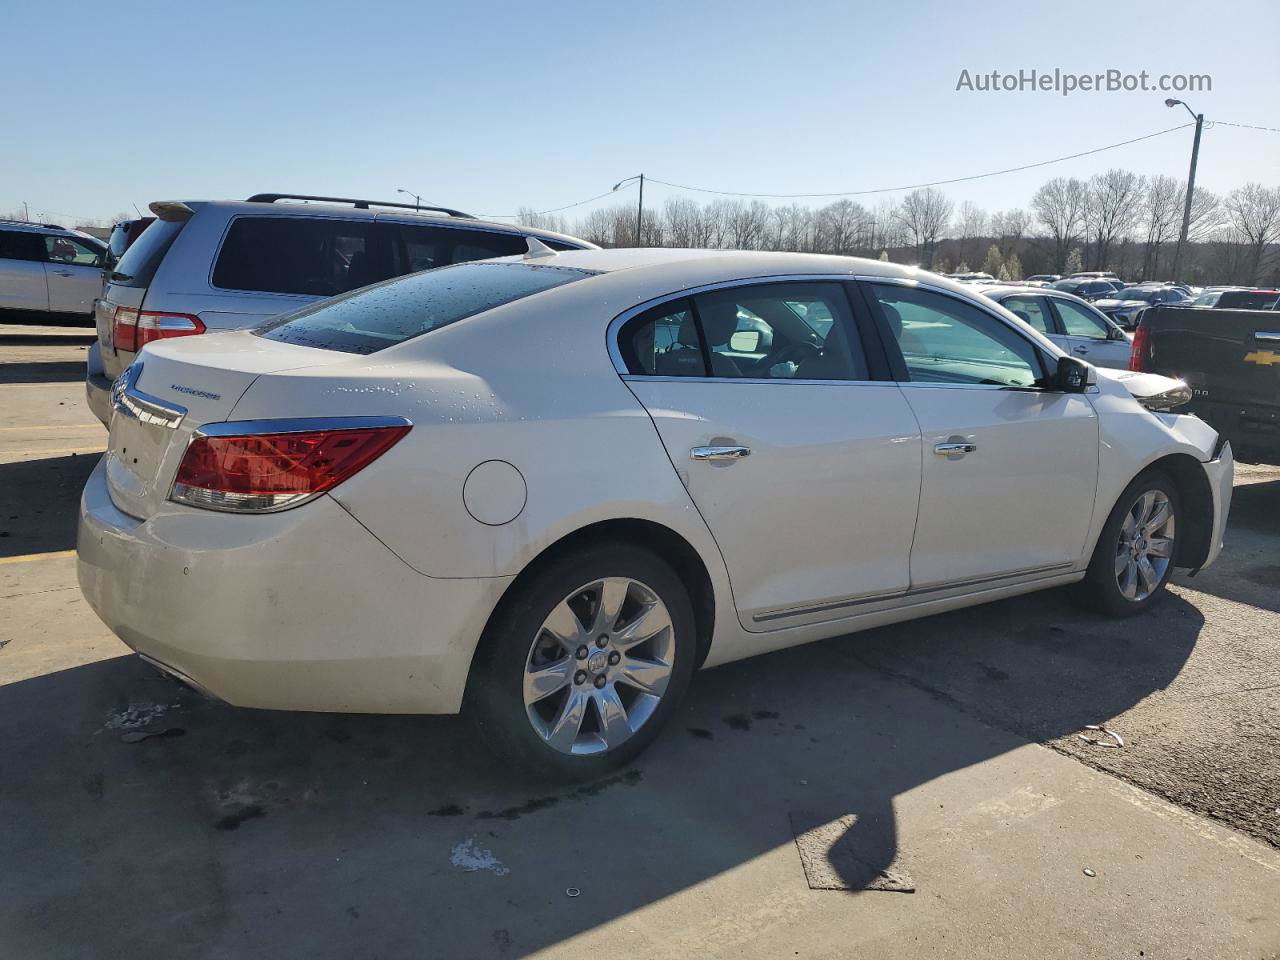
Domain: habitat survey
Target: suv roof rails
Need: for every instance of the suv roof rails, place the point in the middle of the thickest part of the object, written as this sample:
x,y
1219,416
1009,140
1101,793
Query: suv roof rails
x,y
358,204
33,223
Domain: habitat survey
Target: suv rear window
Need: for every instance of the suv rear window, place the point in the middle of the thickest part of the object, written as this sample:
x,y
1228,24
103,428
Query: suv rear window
x,y
140,261
366,321
307,255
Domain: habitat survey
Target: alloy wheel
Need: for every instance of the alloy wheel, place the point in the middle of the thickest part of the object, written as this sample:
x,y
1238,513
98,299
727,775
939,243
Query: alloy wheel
x,y
599,666
1145,547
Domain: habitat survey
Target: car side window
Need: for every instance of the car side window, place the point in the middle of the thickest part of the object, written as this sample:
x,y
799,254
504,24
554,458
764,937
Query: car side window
x,y
945,340
428,247
18,245
780,331
1080,322
304,255
1030,310
67,250
663,342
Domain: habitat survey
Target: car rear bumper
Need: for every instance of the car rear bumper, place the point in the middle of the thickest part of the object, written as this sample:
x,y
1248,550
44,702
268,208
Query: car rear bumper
x,y
300,610
1221,472
97,386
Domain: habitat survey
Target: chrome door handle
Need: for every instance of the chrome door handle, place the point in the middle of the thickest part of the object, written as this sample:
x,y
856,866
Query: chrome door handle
x,y
63,273
719,453
951,448
1081,349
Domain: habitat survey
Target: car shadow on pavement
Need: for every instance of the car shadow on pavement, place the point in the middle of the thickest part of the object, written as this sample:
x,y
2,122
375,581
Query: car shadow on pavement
x,y
51,371
39,503
245,833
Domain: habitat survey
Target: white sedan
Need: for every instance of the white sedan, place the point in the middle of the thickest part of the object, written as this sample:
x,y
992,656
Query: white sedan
x,y
544,490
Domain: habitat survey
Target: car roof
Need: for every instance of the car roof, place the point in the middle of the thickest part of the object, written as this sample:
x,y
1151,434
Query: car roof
x,y
373,212
1010,289
47,229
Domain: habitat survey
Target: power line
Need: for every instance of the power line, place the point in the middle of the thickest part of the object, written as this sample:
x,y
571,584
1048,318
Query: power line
x,y
540,213
1242,126
932,183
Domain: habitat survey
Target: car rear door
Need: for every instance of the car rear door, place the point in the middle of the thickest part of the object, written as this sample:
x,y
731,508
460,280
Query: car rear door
x,y
804,467
22,281
74,273
1009,468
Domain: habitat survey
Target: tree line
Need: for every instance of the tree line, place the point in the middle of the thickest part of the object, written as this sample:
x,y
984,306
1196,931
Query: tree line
x,y
1118,220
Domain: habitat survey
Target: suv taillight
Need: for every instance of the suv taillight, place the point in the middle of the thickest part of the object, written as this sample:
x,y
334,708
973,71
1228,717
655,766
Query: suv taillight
x,y
263,472
133,329
1139,354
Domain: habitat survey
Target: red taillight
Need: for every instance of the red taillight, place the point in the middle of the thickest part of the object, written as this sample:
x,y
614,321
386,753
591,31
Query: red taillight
x,y
270,471
1140,352
133,329
162,326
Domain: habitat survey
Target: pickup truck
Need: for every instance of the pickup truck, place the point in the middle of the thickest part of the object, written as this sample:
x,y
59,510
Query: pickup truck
x,y
1231,361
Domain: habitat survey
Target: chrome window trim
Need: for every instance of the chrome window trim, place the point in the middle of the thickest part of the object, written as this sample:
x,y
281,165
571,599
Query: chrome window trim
x,y
646,378
615,325
129,401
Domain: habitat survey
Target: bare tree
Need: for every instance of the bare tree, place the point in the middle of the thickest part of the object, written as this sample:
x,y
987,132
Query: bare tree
x,y
1162,219
1009,227
1059,205
925,214
1254,211
1111,210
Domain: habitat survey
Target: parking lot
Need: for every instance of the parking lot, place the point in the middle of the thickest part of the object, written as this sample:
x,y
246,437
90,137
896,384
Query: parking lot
x,y
972,817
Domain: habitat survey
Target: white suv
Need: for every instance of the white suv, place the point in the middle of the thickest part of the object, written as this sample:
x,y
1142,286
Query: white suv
x,y
48,269
227,265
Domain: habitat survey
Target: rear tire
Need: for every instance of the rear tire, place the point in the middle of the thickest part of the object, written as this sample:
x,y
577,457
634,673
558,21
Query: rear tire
x,y
584,663
1134,557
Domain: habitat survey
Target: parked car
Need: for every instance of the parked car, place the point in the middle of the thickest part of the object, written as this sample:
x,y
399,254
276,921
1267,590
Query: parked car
x,y
544,490
123,235
1230,358
1239,299
972,277
227,265
1074,325
1093,275
1043,278
1126,307
49,271
1086,289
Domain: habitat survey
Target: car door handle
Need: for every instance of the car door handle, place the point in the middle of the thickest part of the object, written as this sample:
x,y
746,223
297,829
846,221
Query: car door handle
x,y
719,453
63,273
953,448
1081,349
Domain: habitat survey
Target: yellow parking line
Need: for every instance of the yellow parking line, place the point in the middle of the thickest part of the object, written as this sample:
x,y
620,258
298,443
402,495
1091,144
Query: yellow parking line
x,y
28,557
41,453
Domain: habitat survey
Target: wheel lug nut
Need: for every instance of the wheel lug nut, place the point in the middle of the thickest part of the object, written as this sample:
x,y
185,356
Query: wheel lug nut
x,y
580,677
614,657
602,640
600,682
581,653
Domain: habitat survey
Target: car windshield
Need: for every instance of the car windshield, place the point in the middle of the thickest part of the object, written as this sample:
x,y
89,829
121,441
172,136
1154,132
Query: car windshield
x,y
373,318
1135,293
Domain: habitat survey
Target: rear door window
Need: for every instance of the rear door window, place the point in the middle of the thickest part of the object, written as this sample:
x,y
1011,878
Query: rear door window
x,y
1031,310
302,255
19,245
140,261
369,320
429,247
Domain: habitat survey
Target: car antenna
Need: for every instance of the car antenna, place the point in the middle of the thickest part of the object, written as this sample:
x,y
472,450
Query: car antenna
x,y
537,249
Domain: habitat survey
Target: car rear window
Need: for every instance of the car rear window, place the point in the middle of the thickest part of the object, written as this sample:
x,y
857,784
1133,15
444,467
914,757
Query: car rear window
x,y
140,261
372,319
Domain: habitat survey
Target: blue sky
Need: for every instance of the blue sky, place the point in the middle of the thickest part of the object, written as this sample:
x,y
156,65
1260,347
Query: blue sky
x,y
489,107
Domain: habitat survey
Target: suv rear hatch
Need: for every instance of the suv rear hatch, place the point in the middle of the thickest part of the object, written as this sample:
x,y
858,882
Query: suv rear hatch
x,y
170,391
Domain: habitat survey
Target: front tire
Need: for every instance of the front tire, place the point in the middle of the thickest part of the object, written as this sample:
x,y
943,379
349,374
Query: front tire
x,y
1134,556
583,664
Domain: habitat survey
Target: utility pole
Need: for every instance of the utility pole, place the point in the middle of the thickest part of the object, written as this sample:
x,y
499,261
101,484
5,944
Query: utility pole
x,y
25,215
1191,188
639,205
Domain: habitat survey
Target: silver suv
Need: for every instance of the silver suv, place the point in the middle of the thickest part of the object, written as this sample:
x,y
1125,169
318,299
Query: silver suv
x,y
224,265
47,269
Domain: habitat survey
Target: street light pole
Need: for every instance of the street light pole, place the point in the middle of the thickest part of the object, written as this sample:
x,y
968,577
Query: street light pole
x,y
639,204
417,200
1191,188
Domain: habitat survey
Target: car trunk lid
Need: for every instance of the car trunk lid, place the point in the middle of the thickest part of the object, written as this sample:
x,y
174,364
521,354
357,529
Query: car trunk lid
x,y
170,391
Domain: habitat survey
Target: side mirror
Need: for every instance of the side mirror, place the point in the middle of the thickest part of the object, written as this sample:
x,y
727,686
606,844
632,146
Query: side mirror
x,y
1073,376
745,341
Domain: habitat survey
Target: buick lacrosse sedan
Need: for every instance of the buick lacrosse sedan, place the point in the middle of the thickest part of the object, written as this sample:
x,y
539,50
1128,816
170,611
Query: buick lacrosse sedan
x,y
545,490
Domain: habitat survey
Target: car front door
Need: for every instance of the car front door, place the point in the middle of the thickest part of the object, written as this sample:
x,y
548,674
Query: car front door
x,y
1037,312
805,468
1009,467
74,272
1090,336
22,282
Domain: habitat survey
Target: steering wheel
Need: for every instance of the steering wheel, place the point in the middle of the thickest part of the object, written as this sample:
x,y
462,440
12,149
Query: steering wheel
x,y
796,351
